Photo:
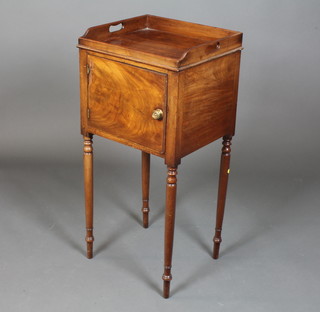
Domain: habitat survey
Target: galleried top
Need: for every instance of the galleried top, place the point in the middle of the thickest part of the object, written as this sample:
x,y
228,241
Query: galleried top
x,y
162,42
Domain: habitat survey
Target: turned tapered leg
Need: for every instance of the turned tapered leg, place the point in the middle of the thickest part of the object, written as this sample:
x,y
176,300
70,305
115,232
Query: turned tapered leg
x,y
88,190
145,161
169,228
222,192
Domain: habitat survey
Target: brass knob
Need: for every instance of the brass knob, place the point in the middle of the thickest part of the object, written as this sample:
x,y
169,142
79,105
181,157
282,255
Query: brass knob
x,y
157,114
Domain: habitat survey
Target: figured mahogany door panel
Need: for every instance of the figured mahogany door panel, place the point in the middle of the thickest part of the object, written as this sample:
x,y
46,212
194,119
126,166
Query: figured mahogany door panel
x,y
121,101
208,102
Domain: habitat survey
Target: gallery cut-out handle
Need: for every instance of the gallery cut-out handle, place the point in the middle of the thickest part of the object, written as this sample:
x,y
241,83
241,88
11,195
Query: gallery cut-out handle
x,y
117,27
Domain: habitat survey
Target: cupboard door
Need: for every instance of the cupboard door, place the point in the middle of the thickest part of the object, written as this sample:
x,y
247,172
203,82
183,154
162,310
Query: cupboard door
x,y
121,102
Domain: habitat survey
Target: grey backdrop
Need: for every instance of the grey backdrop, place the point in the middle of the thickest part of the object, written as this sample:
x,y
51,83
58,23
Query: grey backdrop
x,y
279,88
275,150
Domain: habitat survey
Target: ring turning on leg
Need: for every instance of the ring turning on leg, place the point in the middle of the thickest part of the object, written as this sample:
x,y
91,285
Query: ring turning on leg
x,y
169,228
222,192
145,161
88,190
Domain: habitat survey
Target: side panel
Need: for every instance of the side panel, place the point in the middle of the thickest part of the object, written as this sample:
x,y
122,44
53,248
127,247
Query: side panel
x,y
208,102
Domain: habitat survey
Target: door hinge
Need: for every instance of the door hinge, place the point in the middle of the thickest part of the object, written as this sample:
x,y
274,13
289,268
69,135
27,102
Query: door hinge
x,y
88,69
88,113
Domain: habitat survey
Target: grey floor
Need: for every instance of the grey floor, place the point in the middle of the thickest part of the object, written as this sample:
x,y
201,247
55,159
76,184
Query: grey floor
x,y
269,256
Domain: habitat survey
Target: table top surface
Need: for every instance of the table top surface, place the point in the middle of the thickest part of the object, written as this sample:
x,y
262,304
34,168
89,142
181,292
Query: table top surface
x,y
160,41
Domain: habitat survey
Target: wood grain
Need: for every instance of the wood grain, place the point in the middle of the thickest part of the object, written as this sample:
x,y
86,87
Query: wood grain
x,y
121,101
83,91
173,126
159,41
208,102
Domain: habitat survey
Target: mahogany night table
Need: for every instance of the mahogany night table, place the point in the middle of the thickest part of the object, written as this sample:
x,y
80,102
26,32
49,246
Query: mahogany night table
x,y
167,88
